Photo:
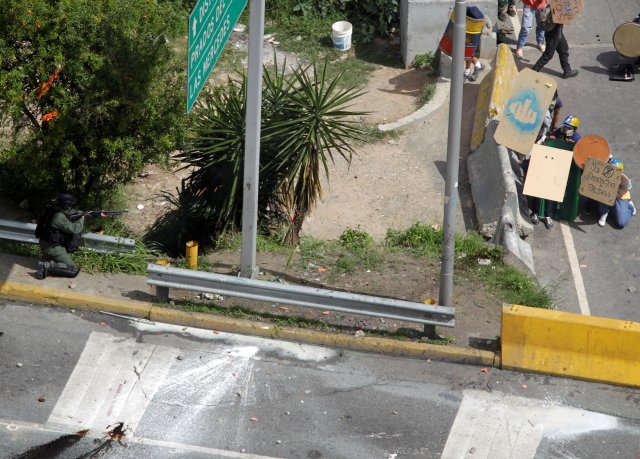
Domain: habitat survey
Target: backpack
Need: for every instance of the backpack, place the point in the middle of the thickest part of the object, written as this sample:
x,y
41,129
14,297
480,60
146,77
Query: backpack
x,y
43,221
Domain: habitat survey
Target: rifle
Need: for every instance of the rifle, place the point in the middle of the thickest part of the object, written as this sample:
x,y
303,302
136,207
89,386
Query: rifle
x,y
96,214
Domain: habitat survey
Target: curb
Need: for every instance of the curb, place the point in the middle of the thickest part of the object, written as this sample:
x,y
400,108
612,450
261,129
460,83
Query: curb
x,y
45,295
442,90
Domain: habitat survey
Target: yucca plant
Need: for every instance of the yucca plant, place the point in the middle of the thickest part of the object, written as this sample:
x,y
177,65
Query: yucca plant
x,y
303,126
305,133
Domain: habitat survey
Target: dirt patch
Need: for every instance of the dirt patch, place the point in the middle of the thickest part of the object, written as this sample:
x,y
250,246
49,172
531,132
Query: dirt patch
x,y
402,277
390,184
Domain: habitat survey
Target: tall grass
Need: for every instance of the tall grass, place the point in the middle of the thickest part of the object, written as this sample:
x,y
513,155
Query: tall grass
x,y
507,283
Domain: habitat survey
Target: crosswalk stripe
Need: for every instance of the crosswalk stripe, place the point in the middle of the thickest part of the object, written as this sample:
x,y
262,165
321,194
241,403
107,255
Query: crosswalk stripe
x,y
496,425
113,381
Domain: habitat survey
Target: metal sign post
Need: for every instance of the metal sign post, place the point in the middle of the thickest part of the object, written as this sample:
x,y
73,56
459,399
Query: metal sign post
x,y
453,158
252,141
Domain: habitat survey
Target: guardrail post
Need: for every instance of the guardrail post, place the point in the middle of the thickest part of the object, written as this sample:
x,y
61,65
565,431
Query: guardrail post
x,y
162,294
430,332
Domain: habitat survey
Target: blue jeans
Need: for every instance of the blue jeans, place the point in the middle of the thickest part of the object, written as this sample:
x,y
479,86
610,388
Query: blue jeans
x,y
527,21
621,211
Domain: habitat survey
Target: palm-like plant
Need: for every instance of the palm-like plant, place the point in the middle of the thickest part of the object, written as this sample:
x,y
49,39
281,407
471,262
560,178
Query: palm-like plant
x,y
307,131
304,124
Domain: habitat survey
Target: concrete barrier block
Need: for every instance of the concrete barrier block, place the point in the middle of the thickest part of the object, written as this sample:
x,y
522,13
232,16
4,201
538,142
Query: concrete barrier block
x,y
493,185
517,253
493,94
510,27
488,45
566,344
445,66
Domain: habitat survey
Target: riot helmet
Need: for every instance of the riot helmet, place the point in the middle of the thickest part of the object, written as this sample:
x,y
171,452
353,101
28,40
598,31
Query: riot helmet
x,y
65,200
617,163
571,122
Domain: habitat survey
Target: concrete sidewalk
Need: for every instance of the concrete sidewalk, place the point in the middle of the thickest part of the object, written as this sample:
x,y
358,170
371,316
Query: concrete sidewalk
x,y
129,295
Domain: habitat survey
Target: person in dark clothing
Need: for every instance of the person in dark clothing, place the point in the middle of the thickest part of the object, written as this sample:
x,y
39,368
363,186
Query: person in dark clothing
x,y
59,230
568,131
555,40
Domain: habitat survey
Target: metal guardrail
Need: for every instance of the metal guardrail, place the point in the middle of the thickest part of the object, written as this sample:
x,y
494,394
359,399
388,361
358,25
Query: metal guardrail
x,y
165,278
24,232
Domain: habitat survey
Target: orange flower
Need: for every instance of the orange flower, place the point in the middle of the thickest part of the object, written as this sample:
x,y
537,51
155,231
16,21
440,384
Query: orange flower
x,y
28,11
38,24
49,116
44,87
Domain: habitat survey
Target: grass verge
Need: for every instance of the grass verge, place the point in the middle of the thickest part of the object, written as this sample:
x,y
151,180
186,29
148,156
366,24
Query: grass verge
x,y
355,251
240,312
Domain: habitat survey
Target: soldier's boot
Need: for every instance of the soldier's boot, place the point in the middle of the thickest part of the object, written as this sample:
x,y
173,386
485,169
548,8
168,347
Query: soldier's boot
x,y
62,270
43,269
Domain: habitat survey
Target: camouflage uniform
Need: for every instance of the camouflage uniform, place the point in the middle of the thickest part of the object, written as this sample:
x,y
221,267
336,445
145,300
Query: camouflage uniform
x,y
55,251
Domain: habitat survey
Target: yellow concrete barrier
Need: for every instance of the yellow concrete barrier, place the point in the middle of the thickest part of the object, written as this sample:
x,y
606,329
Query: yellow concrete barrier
x,y
493,93
566,344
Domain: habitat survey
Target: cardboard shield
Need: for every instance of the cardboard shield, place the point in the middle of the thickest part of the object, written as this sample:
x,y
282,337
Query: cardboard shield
x,y
566,11
548,173
600,181
524,110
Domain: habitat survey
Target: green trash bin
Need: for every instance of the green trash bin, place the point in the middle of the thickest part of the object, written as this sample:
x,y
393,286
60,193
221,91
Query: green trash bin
x,y
568,208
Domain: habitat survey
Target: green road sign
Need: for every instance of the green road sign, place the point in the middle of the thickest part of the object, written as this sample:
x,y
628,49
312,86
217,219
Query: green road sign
x,y
210,24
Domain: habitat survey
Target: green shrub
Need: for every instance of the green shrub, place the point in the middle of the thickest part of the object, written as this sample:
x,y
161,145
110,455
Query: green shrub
x,y
355,238
429,62
428,92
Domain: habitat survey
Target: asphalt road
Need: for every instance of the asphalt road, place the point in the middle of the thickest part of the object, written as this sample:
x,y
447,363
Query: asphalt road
x,y
139,389
606,258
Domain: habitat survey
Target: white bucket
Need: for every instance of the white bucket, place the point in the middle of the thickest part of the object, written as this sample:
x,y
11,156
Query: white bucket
x,y
341,35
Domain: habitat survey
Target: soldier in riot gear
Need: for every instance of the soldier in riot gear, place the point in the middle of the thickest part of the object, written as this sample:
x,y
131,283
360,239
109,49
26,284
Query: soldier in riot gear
x,y
59,230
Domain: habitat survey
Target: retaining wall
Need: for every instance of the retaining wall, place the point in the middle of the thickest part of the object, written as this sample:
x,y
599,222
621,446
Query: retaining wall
x,y
422,23
566,344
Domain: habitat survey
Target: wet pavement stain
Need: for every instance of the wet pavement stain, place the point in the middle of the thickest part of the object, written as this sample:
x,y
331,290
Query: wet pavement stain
x,y
60,445
118,433
54,447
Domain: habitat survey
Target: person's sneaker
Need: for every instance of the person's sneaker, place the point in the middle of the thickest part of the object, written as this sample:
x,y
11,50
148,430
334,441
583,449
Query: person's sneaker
x,y
534,219
548,223
603,219
42,269
511,11
570,74
476,72
633,208
541,47
518,53
501,16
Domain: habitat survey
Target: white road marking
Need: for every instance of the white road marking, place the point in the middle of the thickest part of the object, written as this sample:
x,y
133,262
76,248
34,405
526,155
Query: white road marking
x,y
198,385
495,425
113,381
298,351
214,452
575,269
